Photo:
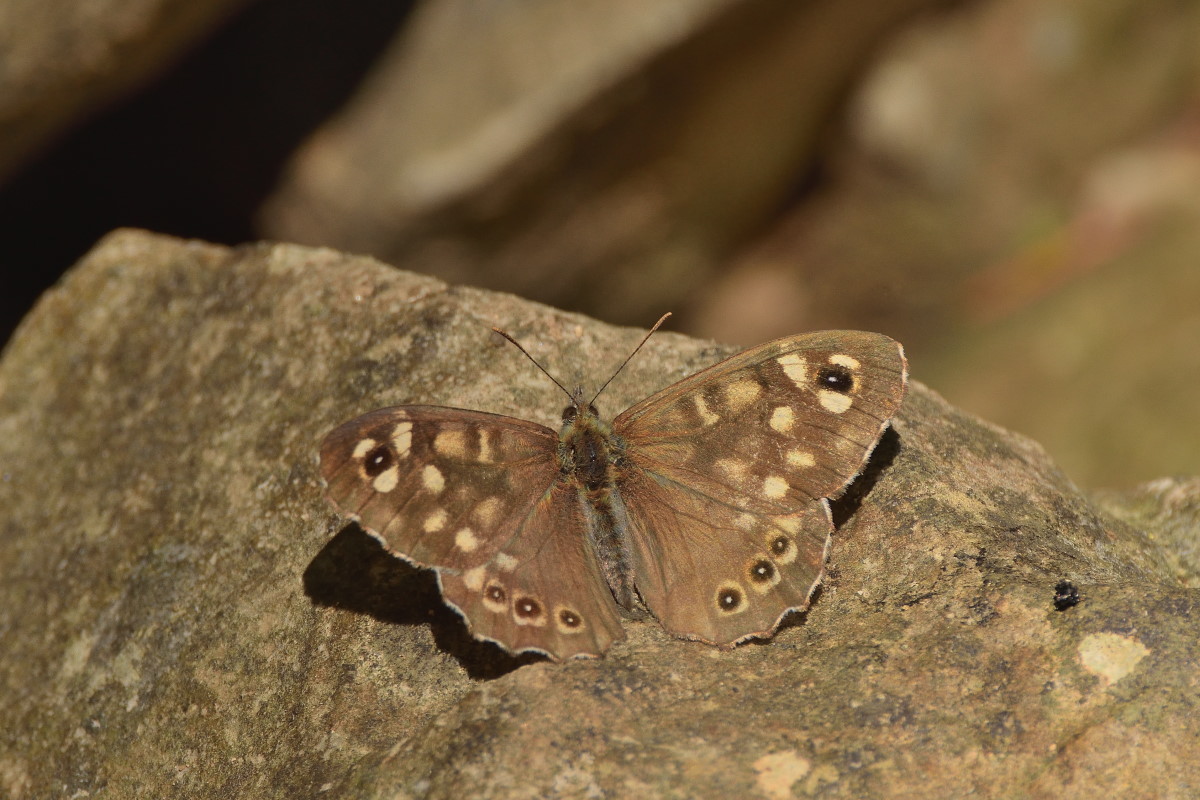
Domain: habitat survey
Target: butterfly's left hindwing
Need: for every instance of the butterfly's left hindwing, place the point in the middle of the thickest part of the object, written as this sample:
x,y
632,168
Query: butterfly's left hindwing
x,y
546,592
479,498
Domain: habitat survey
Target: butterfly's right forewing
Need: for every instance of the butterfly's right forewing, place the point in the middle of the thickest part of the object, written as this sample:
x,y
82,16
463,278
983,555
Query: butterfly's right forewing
x,y
479,498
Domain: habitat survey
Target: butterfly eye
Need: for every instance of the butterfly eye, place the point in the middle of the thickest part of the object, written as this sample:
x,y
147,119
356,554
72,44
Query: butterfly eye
x,y
836,378
592,410
570,413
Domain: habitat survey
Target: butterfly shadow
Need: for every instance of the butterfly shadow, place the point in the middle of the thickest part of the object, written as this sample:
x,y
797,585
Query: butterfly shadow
x,y
843,507
354,572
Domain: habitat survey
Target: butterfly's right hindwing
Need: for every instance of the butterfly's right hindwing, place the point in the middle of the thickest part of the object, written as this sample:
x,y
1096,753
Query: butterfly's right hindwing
x,y
474,495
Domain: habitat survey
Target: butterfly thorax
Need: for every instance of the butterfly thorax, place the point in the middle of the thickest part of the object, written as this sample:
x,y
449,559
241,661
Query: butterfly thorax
x,y
590,455
585,441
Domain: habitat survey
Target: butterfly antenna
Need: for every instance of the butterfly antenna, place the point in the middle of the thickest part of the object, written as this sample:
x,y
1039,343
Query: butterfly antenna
x,y
545,371
645,339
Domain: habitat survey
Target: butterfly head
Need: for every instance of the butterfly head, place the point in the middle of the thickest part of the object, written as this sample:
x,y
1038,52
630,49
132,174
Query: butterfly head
x,y
580,406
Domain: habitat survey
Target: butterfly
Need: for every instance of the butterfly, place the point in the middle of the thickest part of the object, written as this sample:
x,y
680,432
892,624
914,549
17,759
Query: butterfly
x,y
706,503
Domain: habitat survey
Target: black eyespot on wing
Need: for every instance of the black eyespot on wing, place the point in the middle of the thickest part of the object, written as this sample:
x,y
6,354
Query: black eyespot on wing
x,y
379,459
569,618
527,607
780,546
496,594
835,378
762,571
729,599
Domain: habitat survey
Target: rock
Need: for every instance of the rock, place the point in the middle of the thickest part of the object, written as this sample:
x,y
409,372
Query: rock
x,y
183,615
1168,510
602,157
64,60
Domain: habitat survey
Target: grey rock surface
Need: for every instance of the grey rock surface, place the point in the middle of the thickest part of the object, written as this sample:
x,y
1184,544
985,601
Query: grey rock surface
x,y
181,614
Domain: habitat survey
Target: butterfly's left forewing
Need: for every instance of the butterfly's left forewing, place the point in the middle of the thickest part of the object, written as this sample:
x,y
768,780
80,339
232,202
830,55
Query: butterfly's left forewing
x,y
726,475
480,499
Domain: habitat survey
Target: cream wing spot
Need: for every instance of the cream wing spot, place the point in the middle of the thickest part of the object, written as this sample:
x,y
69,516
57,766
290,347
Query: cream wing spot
x,y
835,402
505,562
733,467
465,540
386,481
487,511
707,417
775,487
740,394
435,521
485,446
796,368
801,458
431,478
843,360
451,443
788,524
402,438
363,447
473,578
782,419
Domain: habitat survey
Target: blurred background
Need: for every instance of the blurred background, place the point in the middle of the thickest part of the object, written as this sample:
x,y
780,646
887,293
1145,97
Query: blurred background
x,y
1010,188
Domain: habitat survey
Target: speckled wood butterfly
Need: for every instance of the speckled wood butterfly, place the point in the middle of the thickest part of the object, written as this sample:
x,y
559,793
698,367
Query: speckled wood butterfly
x,y
705,503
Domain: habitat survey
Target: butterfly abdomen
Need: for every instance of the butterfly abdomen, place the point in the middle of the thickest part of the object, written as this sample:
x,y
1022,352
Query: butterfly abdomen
x,y
587,459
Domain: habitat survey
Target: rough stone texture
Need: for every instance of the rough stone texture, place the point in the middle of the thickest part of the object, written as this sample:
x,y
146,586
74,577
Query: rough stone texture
x,y
65,58
604,155
1168,510
182,615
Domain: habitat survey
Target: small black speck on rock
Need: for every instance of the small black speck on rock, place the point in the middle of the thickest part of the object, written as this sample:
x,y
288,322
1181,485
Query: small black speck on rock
x,y
1066,594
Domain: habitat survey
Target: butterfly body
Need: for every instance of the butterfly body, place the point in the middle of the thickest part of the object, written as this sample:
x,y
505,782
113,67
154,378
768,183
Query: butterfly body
x,y
590,458
705,503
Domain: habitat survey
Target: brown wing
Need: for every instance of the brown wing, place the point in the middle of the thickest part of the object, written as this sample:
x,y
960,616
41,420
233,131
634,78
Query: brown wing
x,y
543,590
719,574
474,496
733,463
